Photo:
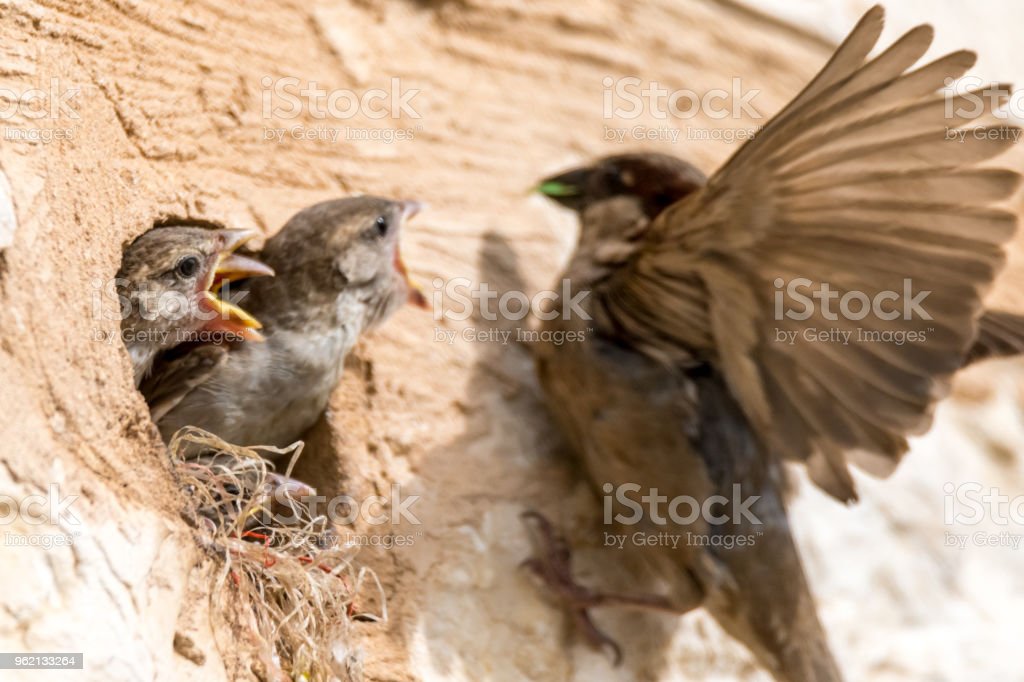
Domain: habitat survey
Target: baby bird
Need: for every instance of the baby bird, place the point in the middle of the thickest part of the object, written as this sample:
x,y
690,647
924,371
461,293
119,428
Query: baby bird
x,y
168,284
339,273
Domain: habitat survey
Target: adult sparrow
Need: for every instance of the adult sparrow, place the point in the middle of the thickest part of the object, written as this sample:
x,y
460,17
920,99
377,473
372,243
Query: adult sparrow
x,y
168,287
339,273
703,372
629,190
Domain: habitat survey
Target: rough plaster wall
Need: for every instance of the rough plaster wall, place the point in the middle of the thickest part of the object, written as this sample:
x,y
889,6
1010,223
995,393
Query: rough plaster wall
x,y
171,124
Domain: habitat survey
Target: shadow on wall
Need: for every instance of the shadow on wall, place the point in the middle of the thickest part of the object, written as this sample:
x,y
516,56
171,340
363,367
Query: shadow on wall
x,y
486,590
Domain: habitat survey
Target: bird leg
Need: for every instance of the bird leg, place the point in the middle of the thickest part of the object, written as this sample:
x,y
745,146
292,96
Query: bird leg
x,y
553,565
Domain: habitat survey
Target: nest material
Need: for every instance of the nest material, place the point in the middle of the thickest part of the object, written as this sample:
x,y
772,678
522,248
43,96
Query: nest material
x,y
285,577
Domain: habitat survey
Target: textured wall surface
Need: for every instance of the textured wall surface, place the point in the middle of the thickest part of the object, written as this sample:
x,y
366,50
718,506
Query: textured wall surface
x,y
169,121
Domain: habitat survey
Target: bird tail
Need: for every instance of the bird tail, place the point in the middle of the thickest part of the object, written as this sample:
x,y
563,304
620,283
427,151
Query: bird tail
x,y
753,578
764,601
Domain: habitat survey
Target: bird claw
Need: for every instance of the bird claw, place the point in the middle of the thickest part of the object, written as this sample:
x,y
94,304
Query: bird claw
x,y
553,566
596,637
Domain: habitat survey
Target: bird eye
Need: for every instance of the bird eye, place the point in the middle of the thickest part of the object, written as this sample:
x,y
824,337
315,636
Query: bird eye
x,y
187,266
382,225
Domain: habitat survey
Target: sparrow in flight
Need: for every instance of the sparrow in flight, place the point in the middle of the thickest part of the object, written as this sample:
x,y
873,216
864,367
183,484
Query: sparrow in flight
x,y
339,273
699,381
168,286
658,180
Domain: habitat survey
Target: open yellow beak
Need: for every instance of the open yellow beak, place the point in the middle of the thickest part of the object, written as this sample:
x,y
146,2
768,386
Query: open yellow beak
x,y
231,267
232,318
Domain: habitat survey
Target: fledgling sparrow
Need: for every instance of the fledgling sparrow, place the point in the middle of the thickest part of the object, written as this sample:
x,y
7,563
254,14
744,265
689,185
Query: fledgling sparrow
x,y
339,273
168,285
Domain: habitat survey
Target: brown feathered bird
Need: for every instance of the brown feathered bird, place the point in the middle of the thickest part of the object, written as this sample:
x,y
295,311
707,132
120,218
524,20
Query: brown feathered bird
x,y
627,191
168,284
339,273
697,382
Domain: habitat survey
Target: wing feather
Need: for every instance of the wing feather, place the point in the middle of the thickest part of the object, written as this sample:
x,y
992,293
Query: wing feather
x,y
857,184
1000,334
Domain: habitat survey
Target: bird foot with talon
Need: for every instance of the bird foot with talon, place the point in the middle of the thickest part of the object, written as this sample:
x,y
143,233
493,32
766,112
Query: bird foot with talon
x,y
553,565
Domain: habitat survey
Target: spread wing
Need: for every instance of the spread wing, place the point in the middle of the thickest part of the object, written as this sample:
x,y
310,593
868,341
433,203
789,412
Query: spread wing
x,y
861,183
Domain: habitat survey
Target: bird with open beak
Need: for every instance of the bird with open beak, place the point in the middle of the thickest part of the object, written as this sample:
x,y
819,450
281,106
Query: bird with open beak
x,y
693,384
339,273
169,284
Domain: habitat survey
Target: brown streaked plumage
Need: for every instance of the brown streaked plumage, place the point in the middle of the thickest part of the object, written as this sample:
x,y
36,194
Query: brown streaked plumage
x,y
682,388
623,210
338,274
1000,335
168,281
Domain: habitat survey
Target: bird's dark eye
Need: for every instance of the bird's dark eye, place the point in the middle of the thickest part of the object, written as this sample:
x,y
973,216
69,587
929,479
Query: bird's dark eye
x,y
187,266
611,180
382,224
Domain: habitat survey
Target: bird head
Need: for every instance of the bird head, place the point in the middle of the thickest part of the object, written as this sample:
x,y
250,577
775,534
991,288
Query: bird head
x,y
340,257
616,198
170,280
655,180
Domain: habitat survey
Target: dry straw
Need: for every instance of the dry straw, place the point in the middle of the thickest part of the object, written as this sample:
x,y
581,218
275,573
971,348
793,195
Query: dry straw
x,y
284,578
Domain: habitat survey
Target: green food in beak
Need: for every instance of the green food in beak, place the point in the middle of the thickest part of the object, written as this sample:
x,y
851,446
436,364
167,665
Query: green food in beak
x,y
553,188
